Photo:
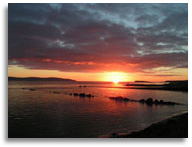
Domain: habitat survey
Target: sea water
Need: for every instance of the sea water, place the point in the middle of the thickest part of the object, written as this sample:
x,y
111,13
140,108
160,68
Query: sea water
x,y
43,113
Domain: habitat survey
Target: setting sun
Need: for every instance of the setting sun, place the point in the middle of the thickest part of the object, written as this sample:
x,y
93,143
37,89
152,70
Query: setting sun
x,y
115,81
115,77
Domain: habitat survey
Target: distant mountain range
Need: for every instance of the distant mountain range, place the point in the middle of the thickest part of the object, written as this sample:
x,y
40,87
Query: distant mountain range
x,y
39,79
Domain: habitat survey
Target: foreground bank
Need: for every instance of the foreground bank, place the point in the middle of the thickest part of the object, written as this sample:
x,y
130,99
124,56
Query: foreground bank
x,y
174,127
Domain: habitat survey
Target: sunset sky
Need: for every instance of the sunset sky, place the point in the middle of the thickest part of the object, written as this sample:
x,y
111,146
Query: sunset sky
x,y
98,42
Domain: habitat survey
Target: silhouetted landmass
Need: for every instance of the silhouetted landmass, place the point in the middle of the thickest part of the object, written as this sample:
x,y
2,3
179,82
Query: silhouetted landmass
x,y
143,82
171,85
39,79
177,85
143,85
174,127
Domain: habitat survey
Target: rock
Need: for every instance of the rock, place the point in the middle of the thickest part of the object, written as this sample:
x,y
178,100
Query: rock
x,y
126,99
142,101
89,95
82,86
149,101
75,94
169,103
117,98
156,102
111,98
56,92
161,102
82,95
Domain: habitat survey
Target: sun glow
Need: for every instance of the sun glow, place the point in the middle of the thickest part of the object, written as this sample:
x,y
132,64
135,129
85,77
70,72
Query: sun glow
x,y
116,81
116,77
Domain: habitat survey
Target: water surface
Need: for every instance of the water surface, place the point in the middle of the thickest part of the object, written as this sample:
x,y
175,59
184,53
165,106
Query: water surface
x,y
41,113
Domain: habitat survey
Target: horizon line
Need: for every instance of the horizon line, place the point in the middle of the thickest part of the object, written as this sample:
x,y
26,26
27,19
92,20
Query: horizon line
x,y
94,81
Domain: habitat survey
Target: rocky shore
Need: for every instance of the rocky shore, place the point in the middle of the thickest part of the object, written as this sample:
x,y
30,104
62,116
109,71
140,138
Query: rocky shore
x,y
174,127
148,101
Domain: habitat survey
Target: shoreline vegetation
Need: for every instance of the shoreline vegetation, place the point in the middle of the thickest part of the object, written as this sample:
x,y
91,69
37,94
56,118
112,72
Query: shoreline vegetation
x,y
173,127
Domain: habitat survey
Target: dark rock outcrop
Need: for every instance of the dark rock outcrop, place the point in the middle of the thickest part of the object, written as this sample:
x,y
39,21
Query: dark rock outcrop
x,y
82,86
75,94
88,95
56,92
148,101
82,95
142,101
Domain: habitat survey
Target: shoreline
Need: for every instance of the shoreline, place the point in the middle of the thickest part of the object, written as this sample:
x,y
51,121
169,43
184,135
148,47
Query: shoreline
x,y
172,127
158,88
172,85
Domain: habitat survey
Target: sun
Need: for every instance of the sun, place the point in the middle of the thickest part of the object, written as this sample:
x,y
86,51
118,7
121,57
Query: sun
x,y
115,77
116,81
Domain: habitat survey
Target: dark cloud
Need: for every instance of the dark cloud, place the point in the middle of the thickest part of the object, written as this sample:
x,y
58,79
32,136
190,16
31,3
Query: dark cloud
x,y
98,37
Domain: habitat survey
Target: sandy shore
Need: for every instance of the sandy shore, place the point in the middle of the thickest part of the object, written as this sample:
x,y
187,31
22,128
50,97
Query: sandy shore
x,y
174,127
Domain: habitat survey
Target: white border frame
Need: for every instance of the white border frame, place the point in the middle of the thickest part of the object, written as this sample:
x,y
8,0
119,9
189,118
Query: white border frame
x,y
79,142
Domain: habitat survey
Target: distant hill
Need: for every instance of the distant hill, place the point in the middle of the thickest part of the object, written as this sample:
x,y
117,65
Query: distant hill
x,y
39,79
177,85
178,81
169,85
